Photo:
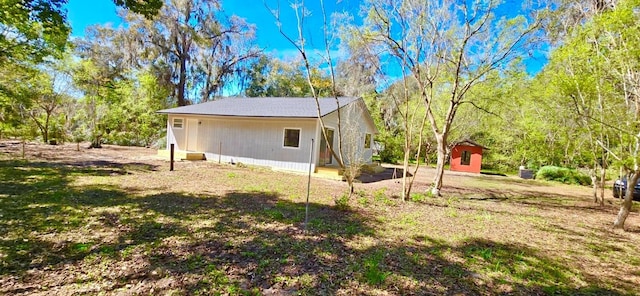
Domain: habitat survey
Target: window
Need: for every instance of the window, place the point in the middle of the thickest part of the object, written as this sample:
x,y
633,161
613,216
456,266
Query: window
x,y
367,141
292,138
465,159
177,123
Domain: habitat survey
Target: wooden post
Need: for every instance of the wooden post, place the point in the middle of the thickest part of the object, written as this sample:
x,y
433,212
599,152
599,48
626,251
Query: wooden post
x,y
171,158
23,147
220,153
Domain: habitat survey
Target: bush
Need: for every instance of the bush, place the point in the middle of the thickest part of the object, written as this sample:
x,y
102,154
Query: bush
x,y
342,203
564,175
393,151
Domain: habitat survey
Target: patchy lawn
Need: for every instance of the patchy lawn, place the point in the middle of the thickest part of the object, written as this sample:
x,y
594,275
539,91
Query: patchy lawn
x,y
116,221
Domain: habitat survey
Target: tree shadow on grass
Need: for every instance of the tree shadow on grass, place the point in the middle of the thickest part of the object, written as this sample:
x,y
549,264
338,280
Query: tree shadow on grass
x,y
541,200
425,266
48,227
117,241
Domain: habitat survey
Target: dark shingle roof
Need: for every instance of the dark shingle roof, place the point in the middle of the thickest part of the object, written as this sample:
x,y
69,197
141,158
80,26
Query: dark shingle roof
x,y
263,107
468,142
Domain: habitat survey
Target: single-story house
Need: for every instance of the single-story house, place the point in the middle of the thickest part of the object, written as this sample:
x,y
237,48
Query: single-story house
x,y
466,156
273,132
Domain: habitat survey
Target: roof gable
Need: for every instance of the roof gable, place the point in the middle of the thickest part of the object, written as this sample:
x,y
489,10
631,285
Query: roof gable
x,y
468,142
264,107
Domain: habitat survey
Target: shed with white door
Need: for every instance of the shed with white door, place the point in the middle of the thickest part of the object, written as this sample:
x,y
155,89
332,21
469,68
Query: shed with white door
x,y
273,132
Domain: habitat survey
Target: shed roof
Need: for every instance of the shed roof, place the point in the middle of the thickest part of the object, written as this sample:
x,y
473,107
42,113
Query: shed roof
x,y
468,142
264,107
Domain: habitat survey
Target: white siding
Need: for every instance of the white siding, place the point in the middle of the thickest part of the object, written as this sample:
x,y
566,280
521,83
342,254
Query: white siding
x,y
255,141
176,135
260,141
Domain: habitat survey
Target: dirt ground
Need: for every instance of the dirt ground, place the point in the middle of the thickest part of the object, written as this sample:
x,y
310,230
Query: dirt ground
x,y
116,221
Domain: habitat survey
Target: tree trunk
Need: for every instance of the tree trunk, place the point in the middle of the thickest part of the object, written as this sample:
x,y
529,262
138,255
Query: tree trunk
x,y
442,152
594,184
625,209
603,175
46,129
405,168
183,81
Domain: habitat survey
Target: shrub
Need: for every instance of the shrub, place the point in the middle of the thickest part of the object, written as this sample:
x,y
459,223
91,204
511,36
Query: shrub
x,y
393,151
342,203
373,272
564,175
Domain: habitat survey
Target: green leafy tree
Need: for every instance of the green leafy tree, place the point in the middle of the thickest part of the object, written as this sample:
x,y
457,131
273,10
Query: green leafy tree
x,y
599,68
131,120
272,77
35,29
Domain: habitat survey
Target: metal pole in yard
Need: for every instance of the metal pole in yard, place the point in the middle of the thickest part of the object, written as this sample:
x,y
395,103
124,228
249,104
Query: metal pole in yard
x,y
220,153
306,211
171,158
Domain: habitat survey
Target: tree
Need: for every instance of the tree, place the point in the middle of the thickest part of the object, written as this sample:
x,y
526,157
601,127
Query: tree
x,y
46,102
34,29
448,48
600,67
312,74
122,92
605,53
272,77
197,44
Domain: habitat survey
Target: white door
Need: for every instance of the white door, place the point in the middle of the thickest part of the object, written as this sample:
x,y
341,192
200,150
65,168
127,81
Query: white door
x,y
192,134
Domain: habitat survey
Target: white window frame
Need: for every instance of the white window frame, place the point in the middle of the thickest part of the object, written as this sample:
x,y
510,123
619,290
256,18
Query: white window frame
x,y
284,136
173,123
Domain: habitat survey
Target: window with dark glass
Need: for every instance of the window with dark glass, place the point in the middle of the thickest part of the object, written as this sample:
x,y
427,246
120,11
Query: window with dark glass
x,y
292,138
466,158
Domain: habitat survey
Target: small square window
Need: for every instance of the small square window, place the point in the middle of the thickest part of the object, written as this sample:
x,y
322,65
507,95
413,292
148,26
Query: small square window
x,y
465,159
367,141
177,122
292,138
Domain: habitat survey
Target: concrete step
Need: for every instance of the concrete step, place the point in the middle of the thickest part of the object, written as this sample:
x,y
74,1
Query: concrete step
x,y
181,155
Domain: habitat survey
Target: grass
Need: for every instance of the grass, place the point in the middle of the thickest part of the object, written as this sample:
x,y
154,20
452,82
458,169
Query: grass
x,y
207,229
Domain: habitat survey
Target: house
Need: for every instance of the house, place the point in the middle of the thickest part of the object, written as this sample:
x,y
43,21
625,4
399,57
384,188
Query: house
x,y
273,132
466,156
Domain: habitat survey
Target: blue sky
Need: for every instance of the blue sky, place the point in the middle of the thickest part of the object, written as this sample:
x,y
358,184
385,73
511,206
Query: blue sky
x,y
83,13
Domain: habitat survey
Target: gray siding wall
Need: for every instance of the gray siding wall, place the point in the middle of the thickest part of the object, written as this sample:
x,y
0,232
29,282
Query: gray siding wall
x,y
354,127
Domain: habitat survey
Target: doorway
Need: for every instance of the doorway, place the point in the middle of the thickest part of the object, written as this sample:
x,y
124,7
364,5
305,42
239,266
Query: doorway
x,y
325,154
192,134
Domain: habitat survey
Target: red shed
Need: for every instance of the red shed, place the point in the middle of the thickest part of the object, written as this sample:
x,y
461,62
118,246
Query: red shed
x,y
466,156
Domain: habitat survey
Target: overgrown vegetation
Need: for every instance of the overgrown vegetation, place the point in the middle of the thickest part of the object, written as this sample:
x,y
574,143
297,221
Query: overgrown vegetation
x,y
563,175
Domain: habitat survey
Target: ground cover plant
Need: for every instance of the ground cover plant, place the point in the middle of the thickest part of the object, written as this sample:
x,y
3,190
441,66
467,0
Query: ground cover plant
x,y
116,221
564,175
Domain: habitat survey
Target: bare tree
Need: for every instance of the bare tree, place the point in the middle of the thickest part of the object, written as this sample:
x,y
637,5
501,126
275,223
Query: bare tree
x,y
353,139
448,47
299,42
